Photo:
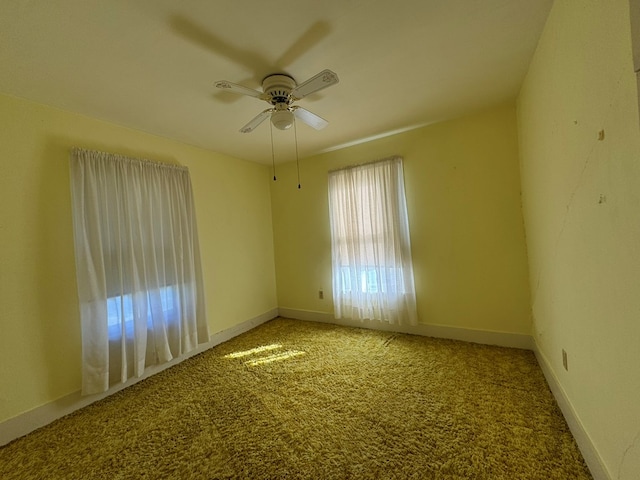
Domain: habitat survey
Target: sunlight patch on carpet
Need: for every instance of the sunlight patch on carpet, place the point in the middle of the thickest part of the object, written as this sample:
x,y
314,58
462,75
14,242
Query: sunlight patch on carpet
x,y
246,353
274,358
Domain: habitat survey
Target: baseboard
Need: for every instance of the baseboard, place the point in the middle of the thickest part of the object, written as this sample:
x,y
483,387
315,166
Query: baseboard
x,y
228,334
585,444
40,416
487,337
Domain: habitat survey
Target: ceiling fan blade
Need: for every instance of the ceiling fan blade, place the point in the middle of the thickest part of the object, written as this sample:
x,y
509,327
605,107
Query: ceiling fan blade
x,y
309,118
324,79
235,88
257,120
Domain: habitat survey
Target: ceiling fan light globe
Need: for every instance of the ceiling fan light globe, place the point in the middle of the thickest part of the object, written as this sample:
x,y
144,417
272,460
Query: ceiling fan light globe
x,y
282,119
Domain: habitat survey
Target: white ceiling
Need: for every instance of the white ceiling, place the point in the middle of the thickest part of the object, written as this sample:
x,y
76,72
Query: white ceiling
x,y
151,64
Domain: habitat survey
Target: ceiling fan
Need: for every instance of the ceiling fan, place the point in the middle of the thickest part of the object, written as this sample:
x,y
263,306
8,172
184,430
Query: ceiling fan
x,y
281,91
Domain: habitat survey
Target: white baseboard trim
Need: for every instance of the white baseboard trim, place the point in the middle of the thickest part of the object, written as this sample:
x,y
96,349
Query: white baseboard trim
x,y
585,444
40,416
228,334
487,337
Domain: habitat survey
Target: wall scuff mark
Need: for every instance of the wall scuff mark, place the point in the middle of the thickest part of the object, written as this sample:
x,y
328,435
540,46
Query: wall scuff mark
x,y
627,468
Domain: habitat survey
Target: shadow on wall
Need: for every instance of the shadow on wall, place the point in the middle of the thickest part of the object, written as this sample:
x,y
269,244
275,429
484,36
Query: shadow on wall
x,y
55,294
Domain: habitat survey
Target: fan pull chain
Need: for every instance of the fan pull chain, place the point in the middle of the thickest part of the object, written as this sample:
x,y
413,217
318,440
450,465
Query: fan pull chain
x,y
273,157
295,133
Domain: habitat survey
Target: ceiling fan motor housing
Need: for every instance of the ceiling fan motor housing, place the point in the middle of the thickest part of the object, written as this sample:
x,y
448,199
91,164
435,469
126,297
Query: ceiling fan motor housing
x,y
278,87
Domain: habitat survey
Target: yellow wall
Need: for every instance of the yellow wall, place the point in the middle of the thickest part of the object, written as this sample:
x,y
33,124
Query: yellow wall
x,y
39,319
582,212
465,218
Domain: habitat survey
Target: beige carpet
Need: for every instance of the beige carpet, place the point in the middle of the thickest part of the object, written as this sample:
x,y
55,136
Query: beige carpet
x,y
294,399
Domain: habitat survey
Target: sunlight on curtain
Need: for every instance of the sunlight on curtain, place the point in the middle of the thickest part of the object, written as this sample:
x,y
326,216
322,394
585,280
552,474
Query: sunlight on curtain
x,y
138,265
371,251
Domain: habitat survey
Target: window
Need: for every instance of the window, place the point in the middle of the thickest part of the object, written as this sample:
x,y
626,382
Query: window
x,y
371,252
370,279
137,263
120,312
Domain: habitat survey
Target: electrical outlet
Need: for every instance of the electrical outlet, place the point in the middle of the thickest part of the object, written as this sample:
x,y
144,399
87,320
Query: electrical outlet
x,y
321,294
565,362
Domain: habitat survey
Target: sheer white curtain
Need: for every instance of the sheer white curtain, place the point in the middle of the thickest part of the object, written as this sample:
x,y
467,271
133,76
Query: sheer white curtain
x,y
371,250
138,265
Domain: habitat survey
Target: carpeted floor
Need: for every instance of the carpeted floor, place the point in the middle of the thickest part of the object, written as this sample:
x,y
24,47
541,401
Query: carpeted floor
x,y
294,399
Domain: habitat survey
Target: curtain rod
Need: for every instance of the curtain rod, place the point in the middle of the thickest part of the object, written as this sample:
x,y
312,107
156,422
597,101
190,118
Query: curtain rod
x,y
365,164
118,156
